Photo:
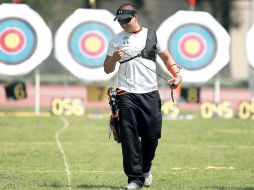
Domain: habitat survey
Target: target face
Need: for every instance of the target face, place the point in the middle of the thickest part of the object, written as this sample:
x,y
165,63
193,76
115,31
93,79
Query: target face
x,y
81,43
88,43
198,44
17,41
25,39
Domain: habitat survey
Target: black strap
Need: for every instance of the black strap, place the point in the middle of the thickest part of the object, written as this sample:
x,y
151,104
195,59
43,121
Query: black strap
x,y
130,58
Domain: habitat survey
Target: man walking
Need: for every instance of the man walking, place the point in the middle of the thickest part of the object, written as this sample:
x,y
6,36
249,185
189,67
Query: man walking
x,y
140,118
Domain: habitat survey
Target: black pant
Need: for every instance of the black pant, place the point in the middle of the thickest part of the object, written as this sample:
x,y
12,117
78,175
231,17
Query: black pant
x,y
140,129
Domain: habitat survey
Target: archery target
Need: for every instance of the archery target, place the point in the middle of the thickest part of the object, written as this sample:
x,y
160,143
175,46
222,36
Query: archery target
x,y
25,39
197,43
17,41
81,43
193,46
88,43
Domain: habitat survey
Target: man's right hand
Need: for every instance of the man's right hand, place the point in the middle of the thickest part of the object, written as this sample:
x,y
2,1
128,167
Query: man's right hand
x,y
110,61
118,55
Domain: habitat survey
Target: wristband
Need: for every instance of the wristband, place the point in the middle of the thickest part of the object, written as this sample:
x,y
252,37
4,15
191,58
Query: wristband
x,y
171,70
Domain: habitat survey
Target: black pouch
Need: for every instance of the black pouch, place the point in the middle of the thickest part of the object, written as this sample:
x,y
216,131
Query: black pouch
x,y
114,118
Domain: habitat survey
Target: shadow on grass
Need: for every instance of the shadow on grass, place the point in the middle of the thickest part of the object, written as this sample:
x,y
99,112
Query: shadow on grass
x,y
54,185
232,188
84,186
58,186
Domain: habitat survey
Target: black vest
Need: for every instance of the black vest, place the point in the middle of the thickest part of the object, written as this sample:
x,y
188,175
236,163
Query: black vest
x,y
150,50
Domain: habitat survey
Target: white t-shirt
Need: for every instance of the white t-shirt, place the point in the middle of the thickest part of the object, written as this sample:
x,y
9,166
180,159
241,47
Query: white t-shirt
x,y
132,75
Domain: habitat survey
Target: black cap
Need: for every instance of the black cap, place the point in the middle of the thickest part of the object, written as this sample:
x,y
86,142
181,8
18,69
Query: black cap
x,y
124,14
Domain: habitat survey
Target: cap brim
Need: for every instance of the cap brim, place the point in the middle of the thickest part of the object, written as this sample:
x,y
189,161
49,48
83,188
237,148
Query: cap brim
x,y
122,16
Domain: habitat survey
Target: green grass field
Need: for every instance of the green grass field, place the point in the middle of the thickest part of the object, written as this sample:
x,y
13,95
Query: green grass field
x,y
195,154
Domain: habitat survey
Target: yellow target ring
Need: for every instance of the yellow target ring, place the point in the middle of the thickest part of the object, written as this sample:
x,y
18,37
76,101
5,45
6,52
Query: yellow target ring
x,y
192,46
93,44
12,40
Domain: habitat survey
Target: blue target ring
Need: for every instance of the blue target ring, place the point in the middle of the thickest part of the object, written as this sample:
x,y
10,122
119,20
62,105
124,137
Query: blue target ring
x,y
88,43
193,46
18,41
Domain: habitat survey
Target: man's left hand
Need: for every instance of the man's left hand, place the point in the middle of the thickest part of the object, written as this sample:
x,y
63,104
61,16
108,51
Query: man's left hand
x,y
174,82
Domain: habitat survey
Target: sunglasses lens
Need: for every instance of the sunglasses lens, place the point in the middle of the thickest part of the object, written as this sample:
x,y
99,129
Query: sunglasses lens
x,y
125,21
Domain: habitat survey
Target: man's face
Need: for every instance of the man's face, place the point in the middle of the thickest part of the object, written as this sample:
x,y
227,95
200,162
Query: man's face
x,y
129,23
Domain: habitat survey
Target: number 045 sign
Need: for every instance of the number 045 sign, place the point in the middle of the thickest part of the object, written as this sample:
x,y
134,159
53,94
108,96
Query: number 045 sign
x,y
225,110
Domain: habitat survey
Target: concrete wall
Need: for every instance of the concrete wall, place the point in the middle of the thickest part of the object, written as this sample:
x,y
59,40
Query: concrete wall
x,y
239,66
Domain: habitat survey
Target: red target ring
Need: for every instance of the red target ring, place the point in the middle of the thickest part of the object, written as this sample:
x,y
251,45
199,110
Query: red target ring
x,y
92,44
192,46
12,40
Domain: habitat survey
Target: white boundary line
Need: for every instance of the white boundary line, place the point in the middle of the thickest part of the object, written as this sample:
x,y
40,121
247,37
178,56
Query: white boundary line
x,y
68,173
121,172
168,145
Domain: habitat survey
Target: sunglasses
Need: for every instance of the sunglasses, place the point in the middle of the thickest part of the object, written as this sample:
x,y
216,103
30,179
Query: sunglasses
x,y
125,21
